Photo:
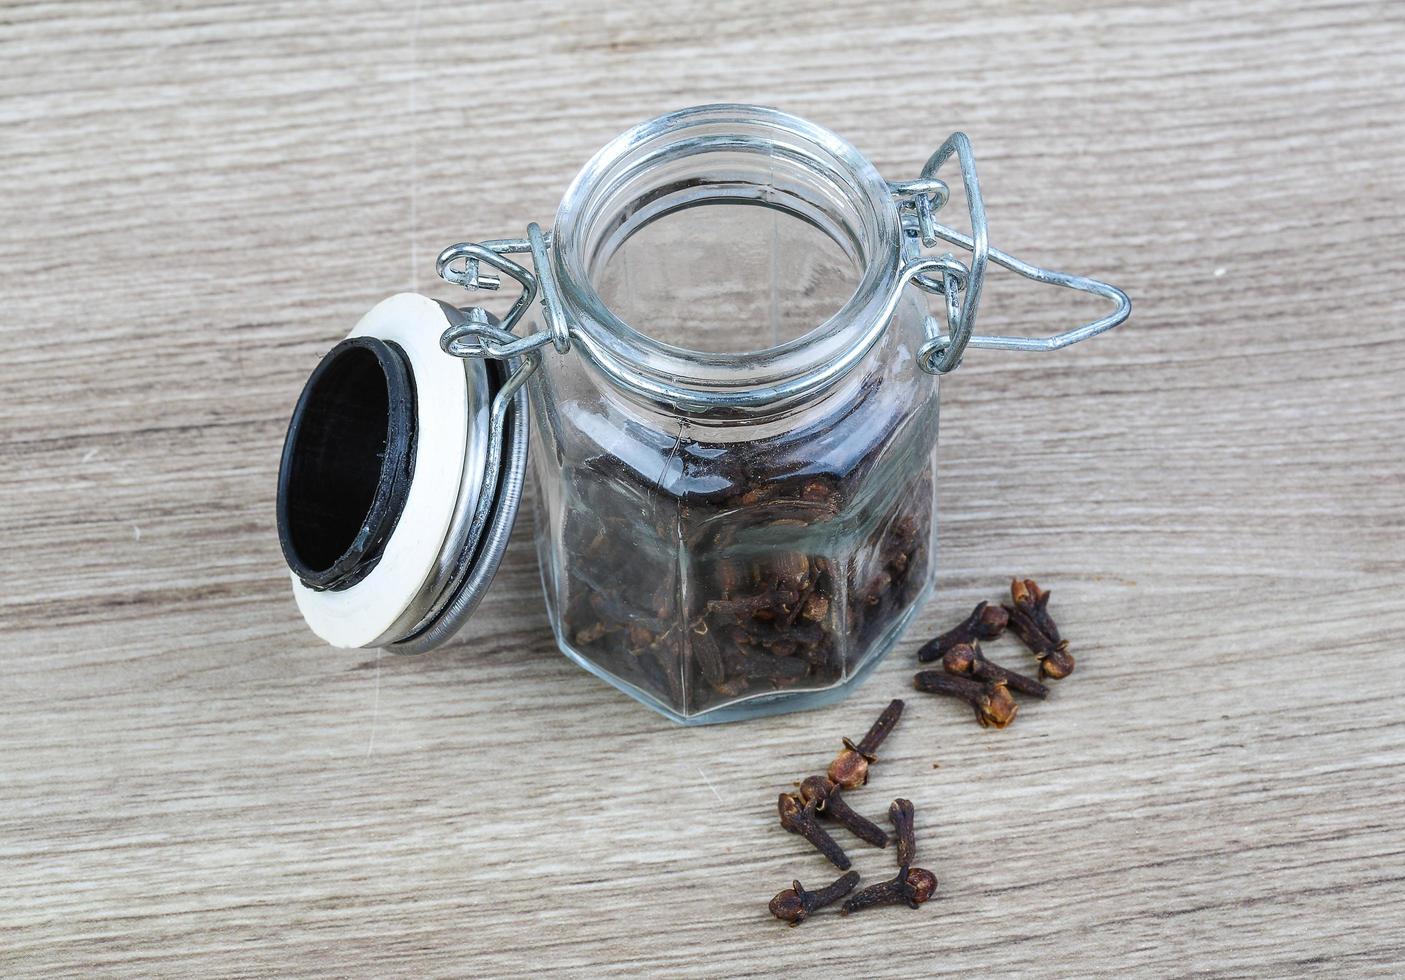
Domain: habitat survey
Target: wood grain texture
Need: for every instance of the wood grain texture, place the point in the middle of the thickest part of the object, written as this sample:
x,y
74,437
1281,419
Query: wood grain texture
x,y
199,199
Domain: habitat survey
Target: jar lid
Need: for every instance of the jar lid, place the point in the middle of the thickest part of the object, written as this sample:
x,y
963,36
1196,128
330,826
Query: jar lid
x,y
401,477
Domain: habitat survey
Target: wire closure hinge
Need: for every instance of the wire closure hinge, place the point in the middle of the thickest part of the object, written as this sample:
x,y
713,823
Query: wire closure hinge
x,y
463,265
946,275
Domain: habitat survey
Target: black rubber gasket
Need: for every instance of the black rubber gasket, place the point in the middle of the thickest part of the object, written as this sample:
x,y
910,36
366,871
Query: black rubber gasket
x,y
336,509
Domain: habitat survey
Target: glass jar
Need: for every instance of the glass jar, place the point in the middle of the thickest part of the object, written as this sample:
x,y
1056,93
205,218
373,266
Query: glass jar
x,y
722,530
733,376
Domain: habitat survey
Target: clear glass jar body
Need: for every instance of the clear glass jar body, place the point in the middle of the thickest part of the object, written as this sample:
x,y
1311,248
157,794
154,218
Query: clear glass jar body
x,y
724,535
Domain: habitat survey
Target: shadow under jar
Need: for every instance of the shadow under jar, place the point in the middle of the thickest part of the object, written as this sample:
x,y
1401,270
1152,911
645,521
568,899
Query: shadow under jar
x,y
733,374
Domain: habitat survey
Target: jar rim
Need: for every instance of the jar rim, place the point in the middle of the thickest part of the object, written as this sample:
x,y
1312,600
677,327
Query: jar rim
x,y
707,382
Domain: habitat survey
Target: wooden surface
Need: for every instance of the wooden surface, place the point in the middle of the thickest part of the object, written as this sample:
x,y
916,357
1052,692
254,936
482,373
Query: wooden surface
x,y
199,200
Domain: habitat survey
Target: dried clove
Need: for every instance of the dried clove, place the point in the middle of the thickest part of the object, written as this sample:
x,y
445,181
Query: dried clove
x,y
911,885
798,817
849,770
829,801
762,606
904,819
967,659
1030,620
994,706
795,904
986,622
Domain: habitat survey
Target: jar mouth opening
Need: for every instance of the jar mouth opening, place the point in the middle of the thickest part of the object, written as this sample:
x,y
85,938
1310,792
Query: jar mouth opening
x,y
726,154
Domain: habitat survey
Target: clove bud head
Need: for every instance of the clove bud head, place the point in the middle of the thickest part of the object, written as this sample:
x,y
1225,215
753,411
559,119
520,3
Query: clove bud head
x,y
922,884
996,708
849,770
1024,591
791,810
992,622
788,906
1058,663
816,790
960,659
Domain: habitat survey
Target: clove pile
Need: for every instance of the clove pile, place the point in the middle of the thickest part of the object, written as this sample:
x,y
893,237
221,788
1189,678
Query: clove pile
x,y
721,584
965,673
823,796
987,687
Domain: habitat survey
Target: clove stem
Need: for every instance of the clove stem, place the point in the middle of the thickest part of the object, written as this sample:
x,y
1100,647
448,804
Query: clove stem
x,y
881,728
799,818
903,815
829,801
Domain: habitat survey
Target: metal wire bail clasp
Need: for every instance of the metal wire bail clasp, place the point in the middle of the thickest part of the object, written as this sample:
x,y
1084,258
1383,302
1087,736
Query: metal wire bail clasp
x,y
462,265
918,202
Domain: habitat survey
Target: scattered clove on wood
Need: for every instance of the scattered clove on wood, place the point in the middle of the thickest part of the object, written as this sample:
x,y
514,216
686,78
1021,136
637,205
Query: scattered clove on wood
x,y
911,885
795,904
825,794
986,622
986,686
991,700
1031,622
849,769
965,673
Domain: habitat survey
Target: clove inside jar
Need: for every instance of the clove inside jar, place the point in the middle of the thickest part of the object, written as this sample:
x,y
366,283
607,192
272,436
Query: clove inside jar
x,y
732,366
